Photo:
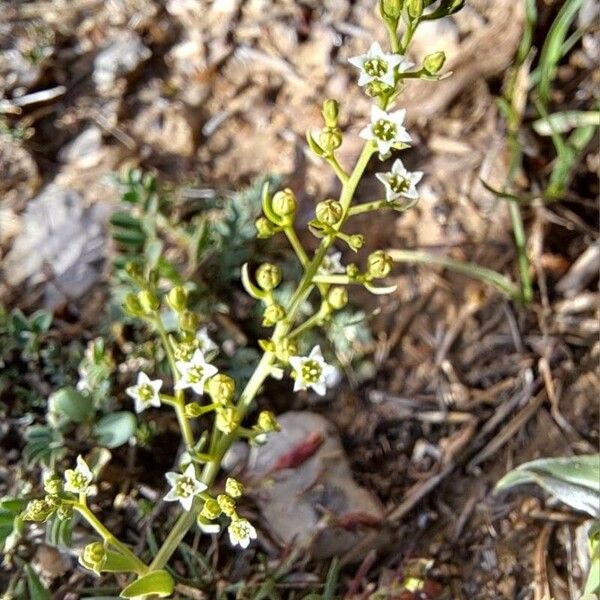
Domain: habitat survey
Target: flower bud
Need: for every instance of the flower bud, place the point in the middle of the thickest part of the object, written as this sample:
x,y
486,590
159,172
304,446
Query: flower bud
x,y
148,301
177,299
37,510
227,420
64,512
221,388
286,348
337,297
330,139
284,203
379,264
352,271
134,270
192,410
433,63
233,487
273,314
329,212
391,9
264,228
268,276
211,509
267,422
226,504
188,321
94,556
377,88
53,485
330,112
356,241
132,305
414,8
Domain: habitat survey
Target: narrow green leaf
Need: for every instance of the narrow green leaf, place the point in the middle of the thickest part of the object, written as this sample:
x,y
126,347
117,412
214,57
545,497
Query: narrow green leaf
x,y
126,220
156,582
129,237
36,589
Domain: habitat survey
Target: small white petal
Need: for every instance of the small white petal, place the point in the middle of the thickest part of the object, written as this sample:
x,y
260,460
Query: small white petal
x,y
187,502
171,496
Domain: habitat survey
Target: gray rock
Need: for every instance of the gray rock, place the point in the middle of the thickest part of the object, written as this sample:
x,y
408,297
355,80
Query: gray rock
x,y
85,150
121,57
61,241
304,487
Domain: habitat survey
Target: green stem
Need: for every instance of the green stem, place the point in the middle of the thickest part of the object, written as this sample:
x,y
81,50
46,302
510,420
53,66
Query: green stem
x,y
108,537
290,232
392,28
501,283
359,209
339,171
263,368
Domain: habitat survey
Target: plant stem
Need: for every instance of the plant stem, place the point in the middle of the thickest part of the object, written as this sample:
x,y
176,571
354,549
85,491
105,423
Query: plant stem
x,y
263,368
108,537
359,209
290,232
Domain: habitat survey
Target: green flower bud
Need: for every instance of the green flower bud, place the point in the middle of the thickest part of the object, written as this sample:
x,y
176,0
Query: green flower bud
x,y
148,301
267,422
53,484
226,504
268,276
233,487
188,321
132,305
192,410
286,348
221,388
356,241
177,299
330,112
273,314
94,557
329,212
352,271
391,9
379,264
184,350
330,138
64,512
433,63
337,297
376,88
54,500
211,509
414,8
284,203
227,420
37,510
264,228
134,270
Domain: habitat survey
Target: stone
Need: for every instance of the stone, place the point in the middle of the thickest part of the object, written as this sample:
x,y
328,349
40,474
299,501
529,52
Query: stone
x,y
303,485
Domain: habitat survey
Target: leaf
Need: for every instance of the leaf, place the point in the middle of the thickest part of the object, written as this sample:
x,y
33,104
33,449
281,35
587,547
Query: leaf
x,y
59,532
573,480
129,237
552,49
561,122
115,429
156,582
125,220
70,402
36,590
40,321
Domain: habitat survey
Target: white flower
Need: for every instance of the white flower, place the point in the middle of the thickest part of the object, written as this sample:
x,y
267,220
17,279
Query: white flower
x,y
194,372
204,342
332,263
241,532
386,129
184,487
145,392
312,371
209,527
376,65
400,183
78,480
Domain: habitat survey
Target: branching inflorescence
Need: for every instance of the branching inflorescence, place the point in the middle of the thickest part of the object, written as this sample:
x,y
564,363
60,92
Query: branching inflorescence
x,y
198,388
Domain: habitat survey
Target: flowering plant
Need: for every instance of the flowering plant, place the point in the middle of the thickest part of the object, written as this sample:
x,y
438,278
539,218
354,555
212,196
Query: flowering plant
x,y
198,388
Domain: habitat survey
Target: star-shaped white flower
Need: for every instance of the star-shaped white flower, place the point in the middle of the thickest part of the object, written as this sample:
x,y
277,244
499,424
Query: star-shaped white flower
x,y
145,392
194,372
386,129
184,487
332,263
312,371
400,183
204,342
78,480
376,65
241,532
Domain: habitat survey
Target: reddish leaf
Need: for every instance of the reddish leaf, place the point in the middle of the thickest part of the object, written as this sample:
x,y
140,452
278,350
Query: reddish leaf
x,y
300,453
